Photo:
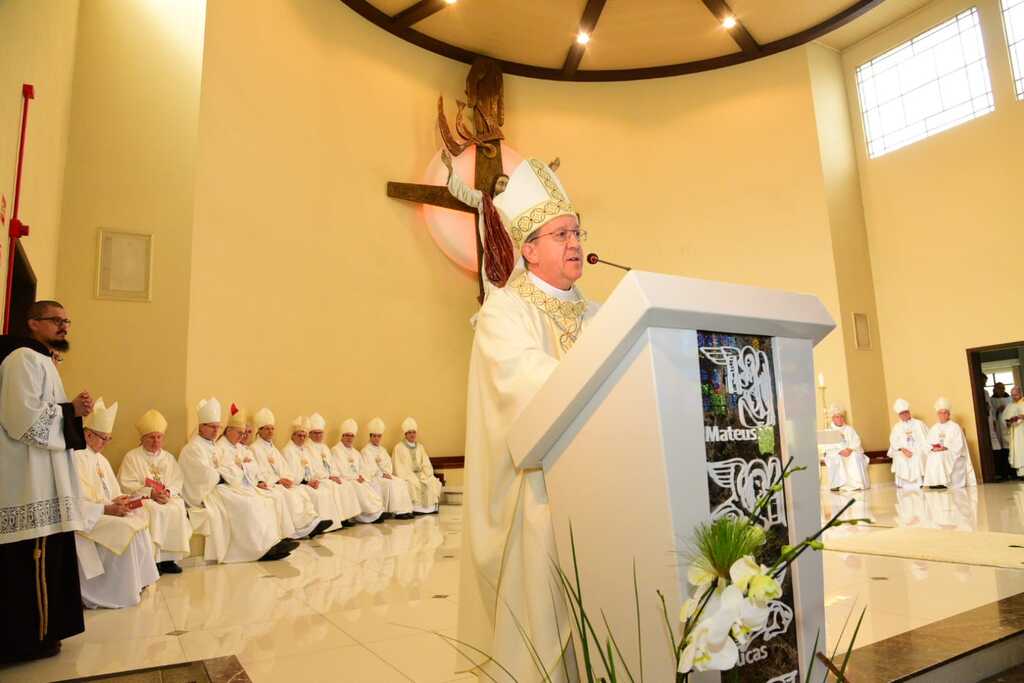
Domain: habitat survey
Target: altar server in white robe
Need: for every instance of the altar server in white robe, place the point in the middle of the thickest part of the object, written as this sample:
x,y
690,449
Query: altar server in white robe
x,y
237,456
115,551
349,462
327,470
523,330
300,459
39,430
150,464
949,462
1013,418
379,471
239,525
412,464
908,447
846,462
275,473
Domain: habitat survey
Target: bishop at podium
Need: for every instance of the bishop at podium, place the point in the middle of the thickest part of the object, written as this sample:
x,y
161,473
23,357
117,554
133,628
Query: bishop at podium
x,y
509,591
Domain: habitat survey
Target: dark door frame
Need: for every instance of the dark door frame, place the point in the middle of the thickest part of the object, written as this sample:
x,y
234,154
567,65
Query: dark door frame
x,y
985,457
23,290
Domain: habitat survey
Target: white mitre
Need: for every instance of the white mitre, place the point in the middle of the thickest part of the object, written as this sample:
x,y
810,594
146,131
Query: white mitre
x,y
900,406
300,424
376,426
317,423
533,197
349,426
943,404
150,422
102,417
262,418
409,425
208,411
836,409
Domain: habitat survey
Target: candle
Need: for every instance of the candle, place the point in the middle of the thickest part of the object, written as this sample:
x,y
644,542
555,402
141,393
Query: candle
x,y
821,380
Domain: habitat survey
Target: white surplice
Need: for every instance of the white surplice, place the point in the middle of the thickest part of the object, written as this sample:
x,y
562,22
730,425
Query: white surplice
x,y
349,462
241,459
522,332
951,467
412,464
912,435
301,463
168,522
1015,435
848,472
324,468
394,491
239,525
39,487
272,468
115,554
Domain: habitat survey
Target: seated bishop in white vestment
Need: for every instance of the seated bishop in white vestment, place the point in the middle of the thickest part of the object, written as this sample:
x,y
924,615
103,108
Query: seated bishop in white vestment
x,y
115,551
301,462
274,471
380,472
349,462
908,447
412,464
845,461
949,462
325,469
153,473
239,525
523,330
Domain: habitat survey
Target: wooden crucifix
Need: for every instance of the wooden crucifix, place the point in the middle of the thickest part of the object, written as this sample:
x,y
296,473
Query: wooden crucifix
x,y
485,99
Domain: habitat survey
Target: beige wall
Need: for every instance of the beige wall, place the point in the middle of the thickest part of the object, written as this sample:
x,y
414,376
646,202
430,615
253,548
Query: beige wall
x,y
130,167
944,226
867,407
37,46
311,290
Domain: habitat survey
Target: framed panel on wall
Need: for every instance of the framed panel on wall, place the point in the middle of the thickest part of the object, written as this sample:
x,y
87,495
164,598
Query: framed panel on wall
x,y
124,263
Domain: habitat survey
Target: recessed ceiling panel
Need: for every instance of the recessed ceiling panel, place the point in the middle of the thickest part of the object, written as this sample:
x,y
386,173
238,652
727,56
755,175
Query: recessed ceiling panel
x,y
642,33
537,32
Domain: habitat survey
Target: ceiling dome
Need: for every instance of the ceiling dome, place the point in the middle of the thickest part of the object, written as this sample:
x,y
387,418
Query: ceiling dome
x,y
609,40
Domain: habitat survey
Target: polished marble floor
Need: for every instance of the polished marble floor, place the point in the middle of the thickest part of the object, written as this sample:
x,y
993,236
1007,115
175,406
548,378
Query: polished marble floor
x,y
359,604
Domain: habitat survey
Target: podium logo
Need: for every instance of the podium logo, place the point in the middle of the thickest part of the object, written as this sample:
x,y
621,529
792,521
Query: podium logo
x,y
747,376
715,433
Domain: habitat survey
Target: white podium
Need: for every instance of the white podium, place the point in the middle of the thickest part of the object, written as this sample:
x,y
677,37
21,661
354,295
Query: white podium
x,y
655,421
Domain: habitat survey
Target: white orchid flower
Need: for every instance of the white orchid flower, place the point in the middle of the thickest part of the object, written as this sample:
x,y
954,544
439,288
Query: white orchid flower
x,y
754,580
750,617
709,645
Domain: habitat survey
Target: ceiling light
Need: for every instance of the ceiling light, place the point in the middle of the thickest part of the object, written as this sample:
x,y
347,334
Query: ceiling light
x,y
582,37
450,2
729,22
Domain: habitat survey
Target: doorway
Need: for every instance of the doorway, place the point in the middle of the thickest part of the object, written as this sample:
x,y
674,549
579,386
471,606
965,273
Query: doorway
x,y
23,292
995,371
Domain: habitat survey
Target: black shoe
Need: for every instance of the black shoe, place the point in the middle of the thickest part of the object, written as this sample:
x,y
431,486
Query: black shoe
x,y
273,555
348,523
168,567
285,545
387,515
320,527
407,515
379,520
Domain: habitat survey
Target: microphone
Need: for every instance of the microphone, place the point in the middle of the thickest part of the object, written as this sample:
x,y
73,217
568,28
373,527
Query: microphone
x,y
593,259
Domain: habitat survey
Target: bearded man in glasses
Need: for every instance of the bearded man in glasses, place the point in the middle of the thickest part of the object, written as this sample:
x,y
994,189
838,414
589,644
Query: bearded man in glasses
x,y
39,490
522,332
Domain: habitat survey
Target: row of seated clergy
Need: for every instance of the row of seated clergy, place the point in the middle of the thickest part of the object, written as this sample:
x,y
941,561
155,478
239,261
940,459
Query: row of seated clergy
x,y
936,457
249,493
